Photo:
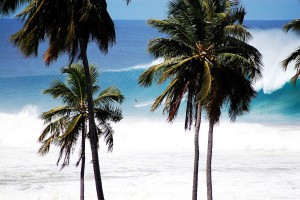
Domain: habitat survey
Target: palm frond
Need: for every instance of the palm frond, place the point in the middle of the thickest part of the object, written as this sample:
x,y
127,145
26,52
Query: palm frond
x,y
209,8
206,83
106,132
155,72
60,90
45,147
171,27
293,25
55,113
161,97
54,128
108,96
108,113
182,63
293,56
174,99
169,48
238,31
73,125
237,13
9,6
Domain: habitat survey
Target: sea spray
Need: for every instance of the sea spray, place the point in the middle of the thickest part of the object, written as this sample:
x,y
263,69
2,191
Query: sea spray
x,y
155,134
275,45
139,66
21,129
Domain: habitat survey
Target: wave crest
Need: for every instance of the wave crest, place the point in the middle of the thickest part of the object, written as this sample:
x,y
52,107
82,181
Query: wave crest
x,y
21,129
140,66
275,45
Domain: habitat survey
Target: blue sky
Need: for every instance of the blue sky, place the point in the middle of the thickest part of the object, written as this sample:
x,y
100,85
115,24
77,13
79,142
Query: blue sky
x,y
256,9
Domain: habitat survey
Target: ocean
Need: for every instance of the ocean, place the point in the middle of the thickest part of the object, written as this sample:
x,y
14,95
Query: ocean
x,y
256,157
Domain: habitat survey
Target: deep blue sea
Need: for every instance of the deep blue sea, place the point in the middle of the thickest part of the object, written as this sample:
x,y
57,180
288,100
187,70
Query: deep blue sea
x,y
255,158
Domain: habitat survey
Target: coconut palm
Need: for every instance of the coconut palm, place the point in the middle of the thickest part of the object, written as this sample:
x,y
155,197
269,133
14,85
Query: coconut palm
x,y
294,26
193,50
231,78
69,26
183,49
64,124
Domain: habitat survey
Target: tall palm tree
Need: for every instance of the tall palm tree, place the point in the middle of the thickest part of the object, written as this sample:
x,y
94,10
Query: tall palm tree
x,y
187,61
194,47
294,26
65,123
69,26
231,78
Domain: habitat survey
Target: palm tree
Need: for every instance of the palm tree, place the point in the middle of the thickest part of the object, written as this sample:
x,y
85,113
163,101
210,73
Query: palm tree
x,y
69,26
294,26
231,78
193,50
186,66
65,123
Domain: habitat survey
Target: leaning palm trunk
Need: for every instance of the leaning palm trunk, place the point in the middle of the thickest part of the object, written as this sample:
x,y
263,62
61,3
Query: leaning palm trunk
x,y
208,161
196,158
92,125
82,161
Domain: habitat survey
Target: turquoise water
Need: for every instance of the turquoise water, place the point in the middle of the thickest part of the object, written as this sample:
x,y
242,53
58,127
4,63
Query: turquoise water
x,y
23,80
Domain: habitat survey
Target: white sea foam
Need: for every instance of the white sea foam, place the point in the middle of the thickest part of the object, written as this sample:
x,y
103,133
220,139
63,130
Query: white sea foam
x,y
20,129
154,160
275,45
154,135
142,104
147,134
140,66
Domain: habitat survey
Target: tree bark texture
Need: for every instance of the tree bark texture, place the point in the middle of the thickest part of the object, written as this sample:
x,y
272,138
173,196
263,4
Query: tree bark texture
x,y
208,161
196,158
92,125
82,161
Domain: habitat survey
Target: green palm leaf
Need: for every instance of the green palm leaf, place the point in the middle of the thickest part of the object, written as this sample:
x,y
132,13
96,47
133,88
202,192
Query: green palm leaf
x,y
108,96
55,113
72,126
206,83
293,25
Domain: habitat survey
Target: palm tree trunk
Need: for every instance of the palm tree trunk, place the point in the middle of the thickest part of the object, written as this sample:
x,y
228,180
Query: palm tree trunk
x,y
82,161
196,158
208,161
92,125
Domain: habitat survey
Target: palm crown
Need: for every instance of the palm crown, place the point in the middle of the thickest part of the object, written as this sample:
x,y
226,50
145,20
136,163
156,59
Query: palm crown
x,y
203,37
64,23
64,123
